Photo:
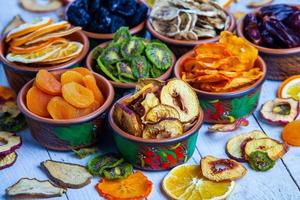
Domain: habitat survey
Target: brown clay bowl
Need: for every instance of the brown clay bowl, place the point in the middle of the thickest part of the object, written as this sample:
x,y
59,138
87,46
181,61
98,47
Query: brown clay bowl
x,y
179,47
154,154
281,63
65,135
18,74
227,106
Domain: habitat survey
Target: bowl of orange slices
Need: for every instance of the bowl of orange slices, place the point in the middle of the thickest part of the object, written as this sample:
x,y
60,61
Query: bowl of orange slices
x,y
40,44
65,109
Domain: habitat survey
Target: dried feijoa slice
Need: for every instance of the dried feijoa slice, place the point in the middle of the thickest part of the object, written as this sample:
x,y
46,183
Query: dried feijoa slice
x,y
221,169
159,55
132,47
155,72
8,160
273,148
122,35
108,70
234,145
11,143
260,161
99,163
111,54
166,128
161,111
97,52
124,70
140,67
121,171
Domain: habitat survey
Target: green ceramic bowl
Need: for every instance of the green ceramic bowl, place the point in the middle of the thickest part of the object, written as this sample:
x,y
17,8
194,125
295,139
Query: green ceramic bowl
x,y
154,154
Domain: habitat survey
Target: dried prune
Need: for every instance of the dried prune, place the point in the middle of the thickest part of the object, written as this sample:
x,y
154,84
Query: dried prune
x,y
116,23
252,28
78,16
140,14
294,21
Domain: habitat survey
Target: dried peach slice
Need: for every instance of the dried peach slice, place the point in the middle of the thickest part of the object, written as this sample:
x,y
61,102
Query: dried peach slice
x,y
77,95
70,76
61,109
83,71
90,82
47,82
37,101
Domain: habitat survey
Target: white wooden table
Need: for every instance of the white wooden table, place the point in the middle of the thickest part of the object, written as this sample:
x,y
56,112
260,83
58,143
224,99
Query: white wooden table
x,y
280,183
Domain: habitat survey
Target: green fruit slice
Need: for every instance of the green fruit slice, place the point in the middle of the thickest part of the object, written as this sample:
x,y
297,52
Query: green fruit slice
x,y
111,54
140,67
132,47
260,161
108,71
122,35
119,172
159,55
99,163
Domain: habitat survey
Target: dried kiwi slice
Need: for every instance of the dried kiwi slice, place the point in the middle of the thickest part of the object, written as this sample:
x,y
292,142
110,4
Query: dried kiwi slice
x,y
111,54
99,163
155,72
109,70
132,47
260,161
97,52
122,35
159,55
140,67
119,172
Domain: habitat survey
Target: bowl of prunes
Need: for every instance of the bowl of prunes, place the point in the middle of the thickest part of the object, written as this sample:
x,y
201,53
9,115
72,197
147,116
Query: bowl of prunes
x,y
156,127
100,19
274,31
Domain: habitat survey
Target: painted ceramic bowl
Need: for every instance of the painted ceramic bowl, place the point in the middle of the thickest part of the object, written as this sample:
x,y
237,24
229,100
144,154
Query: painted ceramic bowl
x,y
154,154
180,47
123,88
19,74
227,106
281,63
64,135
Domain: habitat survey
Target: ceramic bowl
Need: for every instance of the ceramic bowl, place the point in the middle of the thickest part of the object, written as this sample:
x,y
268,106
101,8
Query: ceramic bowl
x,y
18,74
154,154
226,106
64,135
122,88
180,47
281,63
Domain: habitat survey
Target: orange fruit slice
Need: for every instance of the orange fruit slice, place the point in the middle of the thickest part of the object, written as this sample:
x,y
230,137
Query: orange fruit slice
x,y
61,109
71,76
187,182
47,82
290,133
290,88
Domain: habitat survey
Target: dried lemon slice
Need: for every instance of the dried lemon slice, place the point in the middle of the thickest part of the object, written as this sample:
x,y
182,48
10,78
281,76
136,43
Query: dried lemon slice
x,y
187,182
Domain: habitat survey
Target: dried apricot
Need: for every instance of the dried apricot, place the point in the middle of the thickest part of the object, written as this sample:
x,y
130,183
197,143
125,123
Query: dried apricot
x,y
77,95
37,101
90,82
47,82
83,71
85,111
290,133
61,109
70,76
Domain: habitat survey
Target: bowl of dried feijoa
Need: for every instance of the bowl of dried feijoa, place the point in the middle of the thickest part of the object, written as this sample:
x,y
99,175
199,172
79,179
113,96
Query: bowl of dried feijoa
x,y
127,58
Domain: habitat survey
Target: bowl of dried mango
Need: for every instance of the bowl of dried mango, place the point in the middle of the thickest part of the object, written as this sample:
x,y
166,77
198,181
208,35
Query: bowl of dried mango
x,y
40,44
65,109
227,77
156,127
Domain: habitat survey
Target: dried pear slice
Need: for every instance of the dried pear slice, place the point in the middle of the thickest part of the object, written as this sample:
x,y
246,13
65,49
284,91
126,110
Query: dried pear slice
x,y
234,145
169,28
159,55
149,102
221,169
273,148
182,97
15,22
164,12
35,6
260,161
161,111
11,143
27,188
67,175
8,160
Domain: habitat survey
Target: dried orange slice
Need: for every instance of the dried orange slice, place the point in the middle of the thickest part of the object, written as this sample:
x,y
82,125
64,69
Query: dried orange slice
x,y
40,32
28,28
135,186
187,182
290,88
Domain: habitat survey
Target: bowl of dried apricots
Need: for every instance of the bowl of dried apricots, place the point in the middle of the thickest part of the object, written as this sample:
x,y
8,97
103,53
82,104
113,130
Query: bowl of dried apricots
x,y
40,44
65,109
227,77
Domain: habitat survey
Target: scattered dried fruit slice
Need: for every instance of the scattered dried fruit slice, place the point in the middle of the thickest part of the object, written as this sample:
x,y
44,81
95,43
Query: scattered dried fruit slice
x,y
135,186
7,160
99,163
47,82
161,111
67,175
228,127
7,93
33,188
149,102
12,24
221,169
290,88
59,108
36,6
121,171
260,161
10,141
260,3
290,133
71,76
91,83
187,182
274,149
234,145
84,152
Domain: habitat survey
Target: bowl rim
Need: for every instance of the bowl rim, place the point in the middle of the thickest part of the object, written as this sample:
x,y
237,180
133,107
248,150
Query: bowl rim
x,y
24,67
266,50
23,108
173,41
224,95
130,137
90,58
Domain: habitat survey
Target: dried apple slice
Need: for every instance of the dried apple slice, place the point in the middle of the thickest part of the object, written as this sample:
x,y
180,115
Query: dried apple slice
x,y
149,102
234,145
182,97
139,94
11,143
274,149
161,111
35,6
221,169
228,127
8,160
142,82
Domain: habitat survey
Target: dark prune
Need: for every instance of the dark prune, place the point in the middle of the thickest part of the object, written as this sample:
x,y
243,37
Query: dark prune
x,y
113,5
116,23
84,4
252,28
126,7
293,21
102,21
94,5
140,14
278,11
78,16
